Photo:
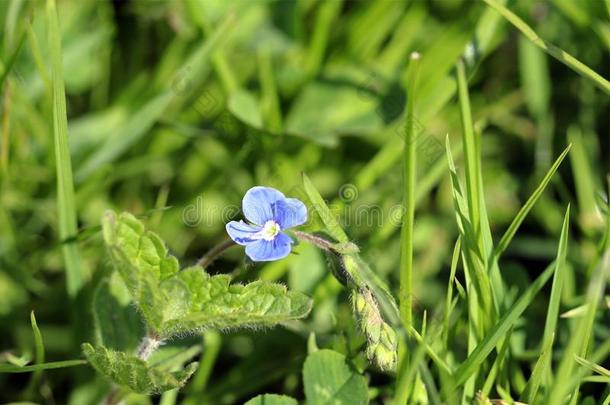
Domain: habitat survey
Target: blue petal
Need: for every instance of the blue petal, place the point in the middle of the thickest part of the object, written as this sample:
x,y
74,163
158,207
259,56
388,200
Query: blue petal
x,y
265,250
242,233
290,212
258,204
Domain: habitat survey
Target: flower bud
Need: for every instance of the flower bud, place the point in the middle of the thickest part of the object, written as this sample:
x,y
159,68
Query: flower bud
x,y
381,338
385,359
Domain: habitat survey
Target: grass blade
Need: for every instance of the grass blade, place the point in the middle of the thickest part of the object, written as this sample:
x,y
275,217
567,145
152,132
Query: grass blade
x,y
480,353
66,204
434,99
330,222
579,342
479,298
589,215
596,368
39,345
410,176
551,49
516,222
212,342
197,8
327,13
39,353
543,363
137,127
544,360
449,298
164,103
9,368
472,158
10,61
270,102
558,280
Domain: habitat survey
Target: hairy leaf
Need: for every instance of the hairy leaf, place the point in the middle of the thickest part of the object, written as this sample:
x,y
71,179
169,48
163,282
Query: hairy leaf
x,y
142,260
177,302
133,372
213,302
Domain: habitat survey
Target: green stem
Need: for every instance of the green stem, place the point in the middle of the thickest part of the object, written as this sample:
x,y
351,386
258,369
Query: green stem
x,y
406,235
410,172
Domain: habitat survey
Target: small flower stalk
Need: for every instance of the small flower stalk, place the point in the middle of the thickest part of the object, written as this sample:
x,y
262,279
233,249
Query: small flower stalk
x,y
381,338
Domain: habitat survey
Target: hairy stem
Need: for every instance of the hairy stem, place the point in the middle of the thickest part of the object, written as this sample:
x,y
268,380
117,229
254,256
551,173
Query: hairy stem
x,y
324,244
314,240
213,253
149,344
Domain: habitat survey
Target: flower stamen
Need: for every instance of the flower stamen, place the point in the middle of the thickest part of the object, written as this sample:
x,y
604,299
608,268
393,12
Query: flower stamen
x,y
269,231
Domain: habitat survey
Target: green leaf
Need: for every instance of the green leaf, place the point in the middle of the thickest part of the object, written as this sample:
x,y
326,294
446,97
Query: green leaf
x,y
328,379
245,106
133,372
306,269
12,294
272,399
142,260
353,112
112,310
212,302
175,302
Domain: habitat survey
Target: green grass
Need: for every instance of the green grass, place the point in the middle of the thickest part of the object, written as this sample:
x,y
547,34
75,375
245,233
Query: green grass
x,y
410,175
551,49
66,205
468,185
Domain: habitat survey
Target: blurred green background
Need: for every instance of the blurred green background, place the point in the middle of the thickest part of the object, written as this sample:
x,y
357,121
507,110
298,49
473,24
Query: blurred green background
x,y
176,108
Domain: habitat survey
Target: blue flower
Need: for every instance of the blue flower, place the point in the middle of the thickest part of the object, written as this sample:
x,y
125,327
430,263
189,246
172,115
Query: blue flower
x,y
269,213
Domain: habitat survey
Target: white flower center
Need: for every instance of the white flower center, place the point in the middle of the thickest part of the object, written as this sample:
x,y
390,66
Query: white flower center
x,y
269,231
